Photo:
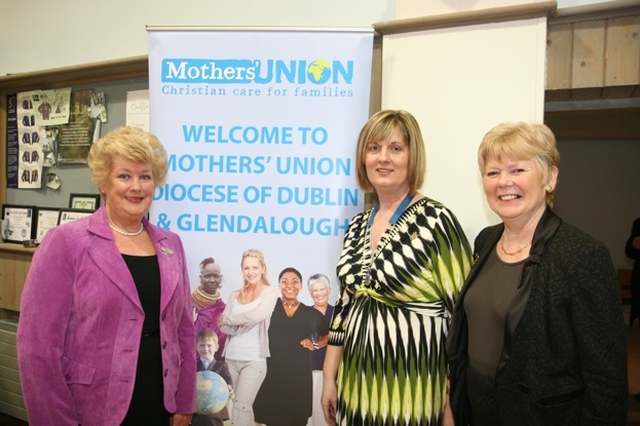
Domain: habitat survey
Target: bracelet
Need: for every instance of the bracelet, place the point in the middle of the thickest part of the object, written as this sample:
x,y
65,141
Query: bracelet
x,y
315,345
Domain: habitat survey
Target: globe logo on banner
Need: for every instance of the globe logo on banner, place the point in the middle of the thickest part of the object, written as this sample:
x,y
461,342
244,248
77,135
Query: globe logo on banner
x,y
319,71
213,392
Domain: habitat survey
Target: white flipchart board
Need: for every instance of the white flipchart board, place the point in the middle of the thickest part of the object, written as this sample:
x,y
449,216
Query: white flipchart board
x,y
459,82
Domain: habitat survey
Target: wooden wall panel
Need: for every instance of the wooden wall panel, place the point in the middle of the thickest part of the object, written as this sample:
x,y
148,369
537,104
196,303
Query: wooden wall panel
x,y
623,52
11,401
559,48
588,54
595,53
14,267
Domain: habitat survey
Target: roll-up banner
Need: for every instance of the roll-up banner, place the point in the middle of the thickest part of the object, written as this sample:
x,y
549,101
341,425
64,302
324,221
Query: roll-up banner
x,y
261,126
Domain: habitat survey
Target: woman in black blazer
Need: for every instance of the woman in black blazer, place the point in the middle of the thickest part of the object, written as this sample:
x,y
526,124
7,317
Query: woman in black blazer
x,y
537,334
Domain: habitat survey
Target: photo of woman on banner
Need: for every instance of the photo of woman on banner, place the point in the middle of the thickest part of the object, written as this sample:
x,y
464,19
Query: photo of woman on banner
x,y
320,290
207,302
402,266
285,397
246,320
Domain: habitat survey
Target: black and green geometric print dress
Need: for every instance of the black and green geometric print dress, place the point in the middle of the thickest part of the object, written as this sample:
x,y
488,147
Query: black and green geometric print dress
x,y
392,316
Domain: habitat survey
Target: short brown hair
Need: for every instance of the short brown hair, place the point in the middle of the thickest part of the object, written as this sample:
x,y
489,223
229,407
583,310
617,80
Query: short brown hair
x,y
379,127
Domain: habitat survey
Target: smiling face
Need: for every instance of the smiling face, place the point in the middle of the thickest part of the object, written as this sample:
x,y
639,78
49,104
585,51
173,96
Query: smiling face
x,y
290,285
211,278
128,191
387,164
320,294
252,271
207,347
515,190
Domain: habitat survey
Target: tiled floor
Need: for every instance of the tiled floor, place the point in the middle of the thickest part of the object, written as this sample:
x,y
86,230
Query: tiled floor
x,y
633,339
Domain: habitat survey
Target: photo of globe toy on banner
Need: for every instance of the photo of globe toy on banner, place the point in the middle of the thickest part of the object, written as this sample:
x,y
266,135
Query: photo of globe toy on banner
x,y
261,127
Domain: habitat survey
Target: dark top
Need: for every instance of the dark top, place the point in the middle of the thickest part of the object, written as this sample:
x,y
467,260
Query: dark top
x,y
285,397
486,305
317,356
147,405
564,359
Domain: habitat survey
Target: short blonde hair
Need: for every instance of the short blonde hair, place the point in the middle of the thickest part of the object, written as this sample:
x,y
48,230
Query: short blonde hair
x,y
378,128
521,141
132,144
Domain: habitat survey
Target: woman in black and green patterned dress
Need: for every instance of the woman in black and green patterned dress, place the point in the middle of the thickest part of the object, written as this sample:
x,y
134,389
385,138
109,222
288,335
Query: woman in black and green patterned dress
x,y
402,266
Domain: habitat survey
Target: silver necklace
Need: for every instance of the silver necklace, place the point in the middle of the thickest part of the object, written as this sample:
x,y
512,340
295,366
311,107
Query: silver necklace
x,y
128,234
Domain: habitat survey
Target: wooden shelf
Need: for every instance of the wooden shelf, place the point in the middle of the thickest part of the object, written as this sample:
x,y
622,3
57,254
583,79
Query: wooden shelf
x,y
16,248
121,69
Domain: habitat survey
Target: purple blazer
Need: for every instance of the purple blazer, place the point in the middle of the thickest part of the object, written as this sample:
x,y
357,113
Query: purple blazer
x,y
81,322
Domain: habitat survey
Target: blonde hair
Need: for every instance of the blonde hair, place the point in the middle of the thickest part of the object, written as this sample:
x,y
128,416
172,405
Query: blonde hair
x,y
132,144
378,128
522,141
255,254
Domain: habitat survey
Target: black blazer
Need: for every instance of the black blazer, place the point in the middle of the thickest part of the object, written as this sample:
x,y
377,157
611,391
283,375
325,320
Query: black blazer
x,y
564,359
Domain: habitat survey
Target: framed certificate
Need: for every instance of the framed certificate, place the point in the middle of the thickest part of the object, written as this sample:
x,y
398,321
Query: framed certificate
x,y
84,201
47,219
18,223
69,215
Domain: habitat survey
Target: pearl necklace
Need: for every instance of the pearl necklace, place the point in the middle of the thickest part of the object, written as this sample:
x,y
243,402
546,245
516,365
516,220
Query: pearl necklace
x,y
514,252
128,234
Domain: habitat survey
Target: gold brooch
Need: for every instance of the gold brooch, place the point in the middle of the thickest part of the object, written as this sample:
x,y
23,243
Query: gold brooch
x,y
166,251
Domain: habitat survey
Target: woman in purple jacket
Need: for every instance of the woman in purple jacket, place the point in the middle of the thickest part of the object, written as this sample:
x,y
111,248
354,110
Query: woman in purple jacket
x,y
106,333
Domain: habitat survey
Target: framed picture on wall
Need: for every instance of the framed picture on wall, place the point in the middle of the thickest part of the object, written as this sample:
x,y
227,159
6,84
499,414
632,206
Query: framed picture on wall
x,y
84,201
47,219
69,215
17,223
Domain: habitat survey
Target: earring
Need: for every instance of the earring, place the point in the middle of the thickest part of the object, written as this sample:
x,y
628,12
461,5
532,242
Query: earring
x,y
548,188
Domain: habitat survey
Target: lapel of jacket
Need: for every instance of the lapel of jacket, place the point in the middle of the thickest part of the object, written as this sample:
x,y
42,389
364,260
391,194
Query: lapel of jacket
x,y
169,256
107,258
545,230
